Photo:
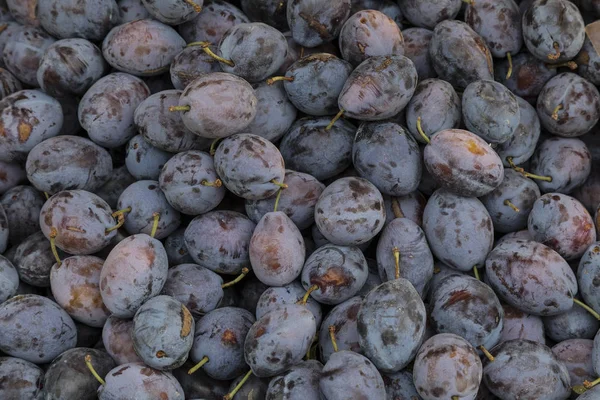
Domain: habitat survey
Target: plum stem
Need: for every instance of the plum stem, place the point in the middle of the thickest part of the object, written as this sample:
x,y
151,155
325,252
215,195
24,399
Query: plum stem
x,y
277,199
476,273
509,203
237,387
555,112
587,308
307,294
196,7
579,389
271,81
3,27
88,362
436,269
213,146
420,130
527,174
455,398
53,234
396,209
510,65
46,195
120,222
588,385
486,353
120,212
311,353
156,216
241,276
277,183
332,336
572,65
198,366
216,183
556,54
470,2
334,120
396,252
179,108
206,47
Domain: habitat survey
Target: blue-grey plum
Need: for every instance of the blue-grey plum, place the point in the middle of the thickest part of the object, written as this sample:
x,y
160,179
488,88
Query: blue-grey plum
x,y
70,67
140,382
388,156
313,23
196,287
35,329
164,129
75,286
510,203
416,47
588,276
67,377
257,50
68,162
400,385
334,273
301,382
291,293
459,230
11,175
131,10
588,61
576,354
79,221
134,272
189,64
75,19
410,206
370,33
24,51
531,277
144,47
563,224
447,365
490,110
388,7
215,19
521,145
437,105
567,161
379,88
349,375
143,160
106,110
117,341
250,166
33,260
297,200
271,12
9,280
520,325
27,117
21,379
163,333
467,307
173,12
524,367
391,324
275,113
428,14
313,83
552,39
279,339
343,318
577,323
218,105
459,55
350,211
405,238
568,105
311,148
463,163
190,183
146,199
219,241
276,250
220,336
24,12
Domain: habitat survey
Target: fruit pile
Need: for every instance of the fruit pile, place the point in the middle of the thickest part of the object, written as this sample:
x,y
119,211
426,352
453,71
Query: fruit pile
x,y
299,200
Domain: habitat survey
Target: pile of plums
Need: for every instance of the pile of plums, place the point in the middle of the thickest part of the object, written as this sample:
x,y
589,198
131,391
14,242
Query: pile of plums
x,y
299,200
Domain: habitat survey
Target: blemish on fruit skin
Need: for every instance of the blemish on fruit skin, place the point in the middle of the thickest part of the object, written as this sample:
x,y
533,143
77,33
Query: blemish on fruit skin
x,y
474,148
